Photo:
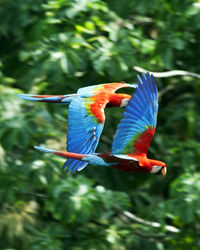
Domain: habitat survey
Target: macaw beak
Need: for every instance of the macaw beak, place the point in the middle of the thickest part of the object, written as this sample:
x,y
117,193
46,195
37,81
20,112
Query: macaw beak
x,y
164,171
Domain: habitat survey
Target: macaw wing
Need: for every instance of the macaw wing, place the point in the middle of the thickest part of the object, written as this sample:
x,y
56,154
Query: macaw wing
x,y
109,87
137,127
85,124
90,90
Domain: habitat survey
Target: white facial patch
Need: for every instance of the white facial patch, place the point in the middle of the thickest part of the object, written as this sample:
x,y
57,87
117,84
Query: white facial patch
x,y
124,103
155,169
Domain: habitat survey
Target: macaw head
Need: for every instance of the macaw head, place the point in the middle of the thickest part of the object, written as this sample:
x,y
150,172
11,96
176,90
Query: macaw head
x,y
159,167
118,100
126,98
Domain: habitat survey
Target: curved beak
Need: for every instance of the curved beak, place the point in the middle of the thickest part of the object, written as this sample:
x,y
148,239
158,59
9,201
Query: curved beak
x,y
164,171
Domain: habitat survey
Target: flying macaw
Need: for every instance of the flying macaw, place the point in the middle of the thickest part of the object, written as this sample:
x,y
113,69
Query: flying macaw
x,y
86,116
133,135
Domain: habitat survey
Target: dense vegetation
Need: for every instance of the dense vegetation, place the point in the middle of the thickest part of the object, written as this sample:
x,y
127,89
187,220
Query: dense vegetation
x,y
58,46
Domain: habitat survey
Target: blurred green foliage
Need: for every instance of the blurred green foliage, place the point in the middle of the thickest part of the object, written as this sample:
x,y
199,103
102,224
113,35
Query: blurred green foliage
x,y
58,46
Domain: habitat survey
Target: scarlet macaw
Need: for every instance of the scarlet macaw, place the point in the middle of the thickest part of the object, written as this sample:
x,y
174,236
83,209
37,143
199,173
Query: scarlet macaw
x,y
86,116
133,135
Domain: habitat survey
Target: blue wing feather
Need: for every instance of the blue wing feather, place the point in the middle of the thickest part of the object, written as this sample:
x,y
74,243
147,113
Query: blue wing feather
x,y
140,113
83,133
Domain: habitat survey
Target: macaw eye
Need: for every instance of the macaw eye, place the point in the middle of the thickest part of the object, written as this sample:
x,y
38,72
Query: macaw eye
x,y
155,169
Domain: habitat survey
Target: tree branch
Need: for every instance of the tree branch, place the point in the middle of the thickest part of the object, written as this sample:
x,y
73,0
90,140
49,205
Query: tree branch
x,y
168,73
32,194
139,220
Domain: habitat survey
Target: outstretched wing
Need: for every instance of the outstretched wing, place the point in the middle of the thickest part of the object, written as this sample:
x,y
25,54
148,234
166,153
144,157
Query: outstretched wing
x,y
108,87
137,127
85,124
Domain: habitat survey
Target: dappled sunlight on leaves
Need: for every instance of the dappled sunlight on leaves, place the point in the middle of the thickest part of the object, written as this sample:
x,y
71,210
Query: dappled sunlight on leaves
x,y
16,217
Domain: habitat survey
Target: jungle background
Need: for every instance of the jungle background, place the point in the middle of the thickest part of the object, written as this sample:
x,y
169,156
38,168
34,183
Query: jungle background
x,y
58,46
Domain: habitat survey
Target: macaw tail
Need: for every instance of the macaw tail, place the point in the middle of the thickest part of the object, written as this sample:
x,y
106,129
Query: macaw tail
x,y
48,98
62,153
94,159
